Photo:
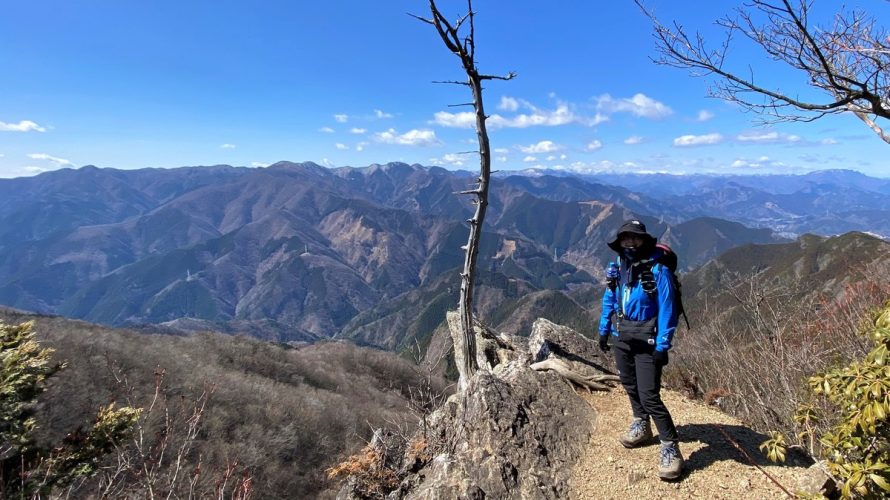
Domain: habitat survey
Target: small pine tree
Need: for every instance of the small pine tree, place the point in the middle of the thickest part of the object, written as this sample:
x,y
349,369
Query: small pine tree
x,y
26,469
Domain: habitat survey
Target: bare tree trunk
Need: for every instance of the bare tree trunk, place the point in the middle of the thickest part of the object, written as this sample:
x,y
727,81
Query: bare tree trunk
x,y
464,47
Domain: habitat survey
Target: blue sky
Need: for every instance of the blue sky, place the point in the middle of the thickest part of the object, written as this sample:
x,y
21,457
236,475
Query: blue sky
x,y
133,84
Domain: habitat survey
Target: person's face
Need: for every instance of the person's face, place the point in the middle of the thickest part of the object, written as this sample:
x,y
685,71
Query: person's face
x,y
628,240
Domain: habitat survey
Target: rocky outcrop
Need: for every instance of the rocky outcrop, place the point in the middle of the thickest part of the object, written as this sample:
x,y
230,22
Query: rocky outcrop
x,y
514,433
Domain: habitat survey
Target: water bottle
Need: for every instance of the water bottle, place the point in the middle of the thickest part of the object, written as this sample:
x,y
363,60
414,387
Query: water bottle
x,y
612,275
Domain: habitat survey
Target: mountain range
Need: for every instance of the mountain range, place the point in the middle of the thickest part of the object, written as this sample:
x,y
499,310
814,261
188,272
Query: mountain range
x,y
299,252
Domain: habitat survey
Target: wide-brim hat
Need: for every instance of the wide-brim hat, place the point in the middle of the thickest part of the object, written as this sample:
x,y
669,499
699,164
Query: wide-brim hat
x,y
632,226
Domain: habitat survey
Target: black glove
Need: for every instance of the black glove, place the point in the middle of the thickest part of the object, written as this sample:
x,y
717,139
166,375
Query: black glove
x,y
660,358
604,343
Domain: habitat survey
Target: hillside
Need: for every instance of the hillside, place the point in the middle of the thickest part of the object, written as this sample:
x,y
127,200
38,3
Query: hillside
x,y
284,414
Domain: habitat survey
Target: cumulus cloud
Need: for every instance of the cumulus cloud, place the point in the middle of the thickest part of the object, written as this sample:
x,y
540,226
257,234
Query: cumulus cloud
x,y
697,140
562,115
356,130
361,146
382,114
341,146
704,115
638,105
341,118
326,130
541,147
54,159
501,151
767,138
634,139
529,159
227,146
501,159
22,126
508,104
593,145
760,163
453,159
411,138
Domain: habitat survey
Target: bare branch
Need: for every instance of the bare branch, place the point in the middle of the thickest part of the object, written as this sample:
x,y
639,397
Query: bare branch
x,y
849,61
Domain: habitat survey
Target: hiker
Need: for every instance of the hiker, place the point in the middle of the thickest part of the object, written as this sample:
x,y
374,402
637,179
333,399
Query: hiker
x,y
640,313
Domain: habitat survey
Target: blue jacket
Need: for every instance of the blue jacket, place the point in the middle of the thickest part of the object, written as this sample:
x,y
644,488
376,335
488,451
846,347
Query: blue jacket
x,y
637,305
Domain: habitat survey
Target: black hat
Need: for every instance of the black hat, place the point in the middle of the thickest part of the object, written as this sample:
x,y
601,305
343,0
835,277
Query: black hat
x,y
632,226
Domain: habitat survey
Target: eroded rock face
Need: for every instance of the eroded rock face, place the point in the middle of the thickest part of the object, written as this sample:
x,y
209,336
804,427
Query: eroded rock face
x,y
515,432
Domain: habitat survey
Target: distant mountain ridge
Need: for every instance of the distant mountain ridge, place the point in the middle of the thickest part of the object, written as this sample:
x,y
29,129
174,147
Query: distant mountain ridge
x,y
301,252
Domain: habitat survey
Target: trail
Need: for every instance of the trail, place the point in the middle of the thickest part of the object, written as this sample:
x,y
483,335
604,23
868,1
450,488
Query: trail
x,y
714,467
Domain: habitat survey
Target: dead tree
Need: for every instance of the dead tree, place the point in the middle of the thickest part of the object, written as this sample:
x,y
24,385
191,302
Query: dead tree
x,y
849,61
463,45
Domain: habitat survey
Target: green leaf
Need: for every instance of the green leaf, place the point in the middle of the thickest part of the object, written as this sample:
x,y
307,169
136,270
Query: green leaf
x,y
880,481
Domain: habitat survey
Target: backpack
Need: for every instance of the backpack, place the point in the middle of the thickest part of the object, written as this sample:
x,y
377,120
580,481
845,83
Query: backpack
x,y
667,258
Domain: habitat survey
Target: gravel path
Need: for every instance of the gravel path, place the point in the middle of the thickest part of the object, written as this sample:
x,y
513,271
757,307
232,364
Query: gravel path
x,y
714,467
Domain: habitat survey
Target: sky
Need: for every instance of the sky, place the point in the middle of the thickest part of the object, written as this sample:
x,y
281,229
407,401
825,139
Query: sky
x,y
133,84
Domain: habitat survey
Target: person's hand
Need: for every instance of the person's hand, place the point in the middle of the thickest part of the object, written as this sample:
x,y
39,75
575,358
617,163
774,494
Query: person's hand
x,y
604,343
660,358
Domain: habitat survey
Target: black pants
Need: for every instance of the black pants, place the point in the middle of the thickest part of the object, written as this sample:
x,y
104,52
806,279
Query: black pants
x,y
641,378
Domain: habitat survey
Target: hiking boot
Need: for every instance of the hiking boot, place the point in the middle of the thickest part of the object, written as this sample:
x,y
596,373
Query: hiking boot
x,y
671,461
639,432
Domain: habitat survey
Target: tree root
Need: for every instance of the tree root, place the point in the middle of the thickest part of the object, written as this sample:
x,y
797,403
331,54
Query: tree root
x,y
565,370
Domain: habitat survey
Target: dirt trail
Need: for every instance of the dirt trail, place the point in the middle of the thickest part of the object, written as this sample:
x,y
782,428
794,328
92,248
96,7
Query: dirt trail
x,y
714,467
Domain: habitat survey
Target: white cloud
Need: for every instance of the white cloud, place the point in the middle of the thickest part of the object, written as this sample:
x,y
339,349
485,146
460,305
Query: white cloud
x,y
508,104
501,159
341,146
634,139
562,115
22,126
381,114
341,118
327,163
767,138
541,147
529,159
326,130
411,138
551,158
697,140
638,105
361,146
704,115
501,151
227,146
762,162
593,145
54,159
825,142
257,164
34,170
453,159
464,119
2,155
356,130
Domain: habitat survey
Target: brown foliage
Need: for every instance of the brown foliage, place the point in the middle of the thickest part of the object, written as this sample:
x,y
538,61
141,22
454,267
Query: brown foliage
x,y
283,415
754,359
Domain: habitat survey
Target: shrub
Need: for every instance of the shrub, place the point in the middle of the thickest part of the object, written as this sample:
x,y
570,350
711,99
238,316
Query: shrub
x,y
856,443
27,469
